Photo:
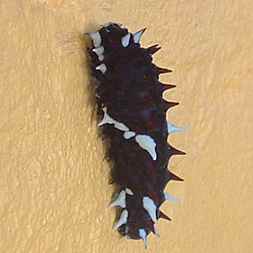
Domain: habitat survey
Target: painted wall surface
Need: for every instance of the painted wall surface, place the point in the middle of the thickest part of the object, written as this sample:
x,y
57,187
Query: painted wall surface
x,y
54,188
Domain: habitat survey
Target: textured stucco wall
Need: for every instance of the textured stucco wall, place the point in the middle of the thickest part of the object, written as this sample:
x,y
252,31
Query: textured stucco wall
x,y
53,181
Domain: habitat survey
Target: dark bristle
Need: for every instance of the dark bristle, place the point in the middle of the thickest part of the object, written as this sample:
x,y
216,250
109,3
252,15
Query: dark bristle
x,y
174,177
164,216
153,49
164,86
162,70
174,151
166,105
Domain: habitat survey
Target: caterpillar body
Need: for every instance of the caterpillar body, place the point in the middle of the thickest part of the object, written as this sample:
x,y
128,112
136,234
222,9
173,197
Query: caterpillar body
x,y
133,123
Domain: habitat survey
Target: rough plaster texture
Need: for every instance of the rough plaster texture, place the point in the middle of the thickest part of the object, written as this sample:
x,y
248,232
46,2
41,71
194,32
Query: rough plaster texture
x,y
53,181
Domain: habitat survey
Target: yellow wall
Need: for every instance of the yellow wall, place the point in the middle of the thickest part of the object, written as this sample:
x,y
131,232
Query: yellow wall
x,y
54,187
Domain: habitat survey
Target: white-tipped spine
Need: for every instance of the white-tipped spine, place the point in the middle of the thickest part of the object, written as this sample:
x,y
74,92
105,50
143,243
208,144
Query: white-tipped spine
x,y
143,236
156,230
120,201
102,68
174,129
137,36
122,220
96,37
129,191
125,40
170,197
150,207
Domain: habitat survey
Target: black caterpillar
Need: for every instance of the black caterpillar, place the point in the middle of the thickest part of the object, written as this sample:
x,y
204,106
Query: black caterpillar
x,y
133,112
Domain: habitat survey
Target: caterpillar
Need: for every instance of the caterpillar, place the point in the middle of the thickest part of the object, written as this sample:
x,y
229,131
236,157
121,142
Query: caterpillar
x,y
133,124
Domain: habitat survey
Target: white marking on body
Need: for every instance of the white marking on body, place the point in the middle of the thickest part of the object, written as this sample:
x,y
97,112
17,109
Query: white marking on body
x,y
102,68
101,57
122,220
129,191
109,120
99,50
96,37
120,126
147,143
170,197
129,134
106,119
137,35
120,200
125,40
150,207
143,236
174,129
